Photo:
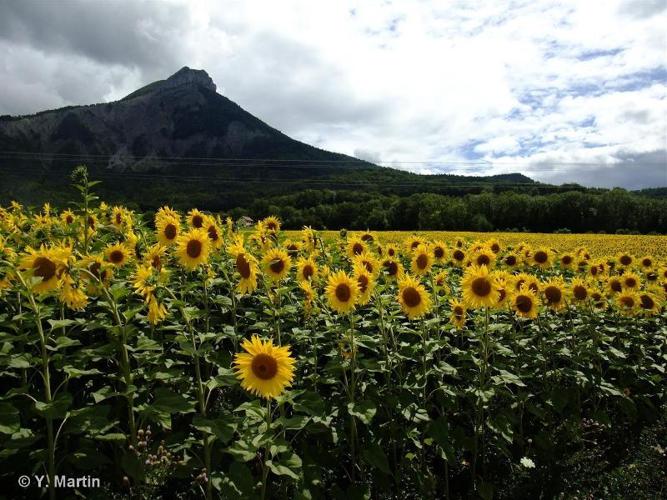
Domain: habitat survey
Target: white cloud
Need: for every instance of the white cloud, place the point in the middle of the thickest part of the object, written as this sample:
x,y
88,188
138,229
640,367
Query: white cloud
x,y
518,84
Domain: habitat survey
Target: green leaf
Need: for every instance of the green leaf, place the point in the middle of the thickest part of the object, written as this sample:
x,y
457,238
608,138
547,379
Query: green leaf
x,y
56,408
221,429
375,456
286,467
60,323
10,421
439,431
364,410
507,378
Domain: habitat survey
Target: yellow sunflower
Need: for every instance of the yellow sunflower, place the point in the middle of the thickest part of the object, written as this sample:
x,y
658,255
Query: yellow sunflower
x,y
440,283
366,283
631,281
511,260
422,261
264,369
524,303
553,294
155,256
439,251
458,315
494,245
308,296
458,257
71,294
614,285
579,290
625,259
392,268
342,292
276,264
118,254
168,229
479,288
67,217
306,269
156,312
541,258
648,303
627,302
369,262
483,256
214,231
192,248
271,224
415,301
413,241
391,251
46,264
566,261
355,246
246,266
196,219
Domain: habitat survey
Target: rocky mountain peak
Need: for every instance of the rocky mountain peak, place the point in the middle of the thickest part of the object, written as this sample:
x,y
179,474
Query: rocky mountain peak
x,y
188,76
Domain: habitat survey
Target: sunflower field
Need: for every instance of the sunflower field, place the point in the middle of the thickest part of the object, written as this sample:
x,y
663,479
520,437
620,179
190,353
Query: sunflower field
x,y
183,357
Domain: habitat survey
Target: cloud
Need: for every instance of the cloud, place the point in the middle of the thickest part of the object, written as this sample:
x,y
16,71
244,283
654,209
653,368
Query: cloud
x,y
540,87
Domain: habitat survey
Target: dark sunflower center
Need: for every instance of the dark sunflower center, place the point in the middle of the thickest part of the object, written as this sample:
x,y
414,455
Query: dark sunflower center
x,y
630,282
94,269
357,248
501,294
458,255
541,257
458,312
242,266
277,266
553,294
627,301
411,297
510,260
594,271
615,285
91,222
119,218
495,248
391,252
264,366
580,292
646,302
647,262
213,233
272,226
197,221
116,256
626,260
439,252
566,260
308,271
414,245
156,262
69,219
343,292
194,249
391,267
367,237
170,231
483,260
481,287
524,303
533,287
363,283
44,268
368,266
422,261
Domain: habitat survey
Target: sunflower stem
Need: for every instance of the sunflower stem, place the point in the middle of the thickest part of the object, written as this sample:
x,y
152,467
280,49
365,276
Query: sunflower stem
x,y
265,467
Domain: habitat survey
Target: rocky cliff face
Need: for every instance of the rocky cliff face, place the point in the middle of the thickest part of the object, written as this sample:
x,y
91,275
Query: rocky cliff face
x,y
180,117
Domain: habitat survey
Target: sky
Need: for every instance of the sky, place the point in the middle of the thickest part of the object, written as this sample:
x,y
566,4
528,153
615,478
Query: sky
x,y
562,91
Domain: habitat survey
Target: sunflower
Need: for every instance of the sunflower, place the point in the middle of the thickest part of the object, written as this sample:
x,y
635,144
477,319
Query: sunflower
x,y
192,248
168,229
46,264
483,256
276,264
369,262
196,219
71,294
458,257
365,282
393,269
342,292
647,262
494,245
479,288
308,296
413,297
579,290
458,315
246,266
156,312
524,303
553,294
648,304
566,261
597,269
155,256
628,303
625,259
95,265
392,251
614,285
67,217
355,246
511,260
214,231
631,281
118,254
439,251
422,261
117,217
541,258
440,283
504,288
598,299
271,224
306,269
529,280
413,241
264,369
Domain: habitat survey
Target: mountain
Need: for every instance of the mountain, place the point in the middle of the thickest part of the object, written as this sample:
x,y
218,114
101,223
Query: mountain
x,y
178,141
